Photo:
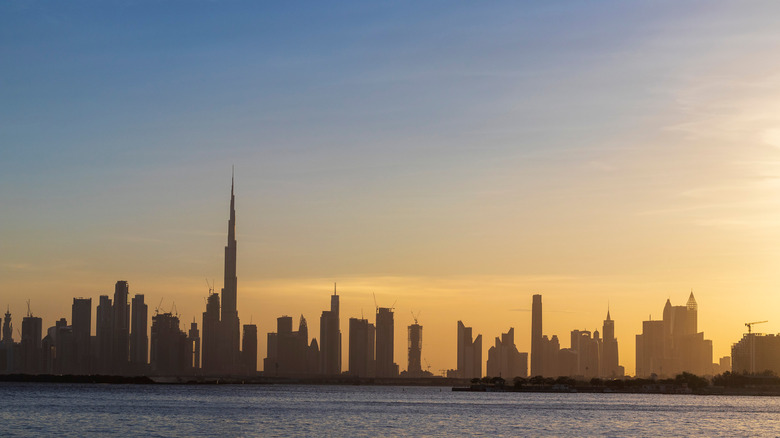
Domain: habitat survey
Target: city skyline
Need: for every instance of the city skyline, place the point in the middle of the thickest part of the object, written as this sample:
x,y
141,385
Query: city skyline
x,y
455,160
665,347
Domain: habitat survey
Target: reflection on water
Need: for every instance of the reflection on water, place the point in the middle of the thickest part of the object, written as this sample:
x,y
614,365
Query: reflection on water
x,y
246,410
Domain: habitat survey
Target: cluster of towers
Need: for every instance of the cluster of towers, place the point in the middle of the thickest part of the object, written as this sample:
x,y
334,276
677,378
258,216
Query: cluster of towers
x,y
589,354
673,344
121,344
370,347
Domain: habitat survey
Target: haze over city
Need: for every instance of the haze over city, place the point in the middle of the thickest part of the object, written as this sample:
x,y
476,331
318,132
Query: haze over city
x,y
452,160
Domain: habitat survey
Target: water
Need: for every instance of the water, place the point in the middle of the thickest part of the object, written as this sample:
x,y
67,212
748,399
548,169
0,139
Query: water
x,y
34,409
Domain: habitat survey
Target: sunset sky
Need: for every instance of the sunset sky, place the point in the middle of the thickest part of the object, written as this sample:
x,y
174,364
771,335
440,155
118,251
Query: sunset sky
x,y
453,158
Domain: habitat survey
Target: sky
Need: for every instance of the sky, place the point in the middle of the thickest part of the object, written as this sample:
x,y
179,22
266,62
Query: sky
x,y
449,158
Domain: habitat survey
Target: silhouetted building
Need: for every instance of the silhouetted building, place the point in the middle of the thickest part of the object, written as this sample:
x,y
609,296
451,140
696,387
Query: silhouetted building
x,y
385,328
504,360
414,368
64,359
121,328
537,361
249,349
469,353
588,349
756,353
288,353
330,338
682,347
31,344
230,322
221,348
104,335
139,340
81,319
211,347
170,354
610,364
193,338
7,344
550,351
361,348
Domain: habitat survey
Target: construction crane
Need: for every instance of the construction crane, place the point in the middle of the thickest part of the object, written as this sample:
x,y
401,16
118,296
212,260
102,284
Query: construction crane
x,y
416,316
750,325
377,305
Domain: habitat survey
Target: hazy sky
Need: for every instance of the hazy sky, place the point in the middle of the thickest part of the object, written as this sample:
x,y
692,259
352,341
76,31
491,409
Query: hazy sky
x,y
457,157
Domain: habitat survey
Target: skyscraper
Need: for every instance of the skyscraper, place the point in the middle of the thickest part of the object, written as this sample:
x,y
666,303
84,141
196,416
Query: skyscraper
x,y
230,323
193,337
121,328
249,350
169,352
414,367
221,331
361,348
537,361
31,344
104,334
610,366
504,360
469,353
81,320
385,326
211,337
330,337
139,339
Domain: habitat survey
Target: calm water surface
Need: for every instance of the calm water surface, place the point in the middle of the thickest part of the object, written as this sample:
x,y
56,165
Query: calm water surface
x,y
34,409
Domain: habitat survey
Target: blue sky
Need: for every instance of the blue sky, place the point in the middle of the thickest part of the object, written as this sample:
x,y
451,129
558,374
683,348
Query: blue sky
x,y
618,151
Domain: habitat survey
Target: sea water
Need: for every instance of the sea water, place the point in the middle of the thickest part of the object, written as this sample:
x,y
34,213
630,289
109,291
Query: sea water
x,y
39,409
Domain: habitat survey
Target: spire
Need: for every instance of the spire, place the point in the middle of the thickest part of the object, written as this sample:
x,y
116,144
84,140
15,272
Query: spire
x,y
691,305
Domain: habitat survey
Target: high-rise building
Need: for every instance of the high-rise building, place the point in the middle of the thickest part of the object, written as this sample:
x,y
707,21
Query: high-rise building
x,y
81,320
504,360
756,353
469,353
139,339
211,346
7,344
221,330
537,364
104,335
249,349
414,368
230,322
588,349
330,338
32,327
385,327
121,328
193,337
169,353
610,363
361,348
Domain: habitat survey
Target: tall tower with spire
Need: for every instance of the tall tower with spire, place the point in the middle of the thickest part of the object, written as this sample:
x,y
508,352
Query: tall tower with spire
x,y
230,323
